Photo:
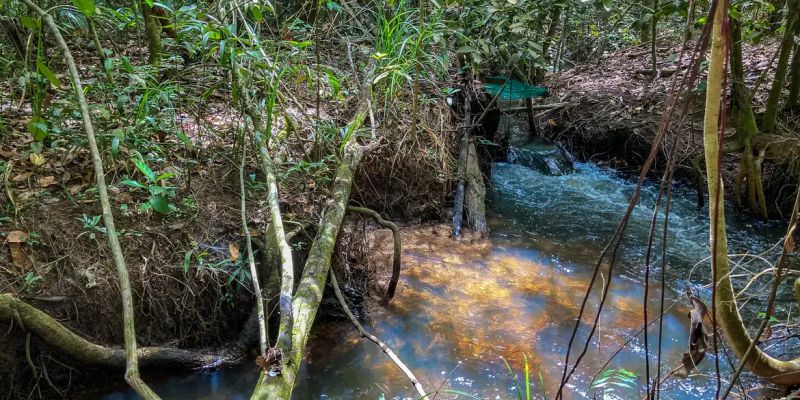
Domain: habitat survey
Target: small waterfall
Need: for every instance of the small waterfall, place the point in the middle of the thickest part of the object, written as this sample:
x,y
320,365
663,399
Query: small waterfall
x,y
542,156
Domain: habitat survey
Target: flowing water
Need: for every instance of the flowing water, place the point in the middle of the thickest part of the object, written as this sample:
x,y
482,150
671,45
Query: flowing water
x,y
466,308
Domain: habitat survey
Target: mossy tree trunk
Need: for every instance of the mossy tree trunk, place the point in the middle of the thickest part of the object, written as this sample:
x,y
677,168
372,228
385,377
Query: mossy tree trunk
x,y
87,353
744,121
730,321
315,273
787,43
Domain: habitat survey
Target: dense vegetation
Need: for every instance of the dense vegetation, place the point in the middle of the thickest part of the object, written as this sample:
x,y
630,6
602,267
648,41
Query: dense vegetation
x,y
214,152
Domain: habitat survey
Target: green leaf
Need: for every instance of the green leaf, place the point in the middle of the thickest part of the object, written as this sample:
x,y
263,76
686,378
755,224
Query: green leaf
x,y
86,6
115,146
187,260
47,73
185,139
149,3
133,183
38,128
126,64
31,23
160,204
108,64
257,15
333,6
165,176
144,169
465,50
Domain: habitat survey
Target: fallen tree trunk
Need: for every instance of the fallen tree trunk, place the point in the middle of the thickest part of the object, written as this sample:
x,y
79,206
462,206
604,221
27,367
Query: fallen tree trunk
x,y
87,353
315,274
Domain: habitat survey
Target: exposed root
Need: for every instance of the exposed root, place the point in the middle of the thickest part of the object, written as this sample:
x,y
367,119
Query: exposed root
x,y
397,248
60,337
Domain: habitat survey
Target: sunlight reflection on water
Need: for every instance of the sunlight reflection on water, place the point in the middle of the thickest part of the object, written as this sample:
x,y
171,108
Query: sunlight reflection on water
x,y
464,306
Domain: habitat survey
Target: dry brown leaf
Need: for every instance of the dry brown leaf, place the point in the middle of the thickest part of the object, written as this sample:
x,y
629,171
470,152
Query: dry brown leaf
x,y
21,177
17,237
37,159
233,248
76,188
177,225
19,257
46,181
788,245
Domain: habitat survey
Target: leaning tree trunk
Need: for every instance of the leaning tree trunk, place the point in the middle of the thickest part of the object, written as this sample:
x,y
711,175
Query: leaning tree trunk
x,y
312,283
773,101
261,132
132,370
730,321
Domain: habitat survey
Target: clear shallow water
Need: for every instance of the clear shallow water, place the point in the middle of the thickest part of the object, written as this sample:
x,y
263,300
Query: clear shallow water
x,y
462,305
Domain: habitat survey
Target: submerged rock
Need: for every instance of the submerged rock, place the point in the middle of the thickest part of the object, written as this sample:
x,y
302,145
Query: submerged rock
x,y
543,156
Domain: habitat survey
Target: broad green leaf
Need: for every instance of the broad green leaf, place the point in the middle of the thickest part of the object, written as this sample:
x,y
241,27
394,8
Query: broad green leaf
x,y
257,15
159,203
38,128
31,23
115,146
144,169
47,73
85,6
108,64
165,176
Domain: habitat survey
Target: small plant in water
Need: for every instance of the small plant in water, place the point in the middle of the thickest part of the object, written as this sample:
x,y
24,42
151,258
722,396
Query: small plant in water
x,y
614,378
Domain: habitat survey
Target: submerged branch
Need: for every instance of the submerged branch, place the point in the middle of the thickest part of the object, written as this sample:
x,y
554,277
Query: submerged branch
x,y
374,339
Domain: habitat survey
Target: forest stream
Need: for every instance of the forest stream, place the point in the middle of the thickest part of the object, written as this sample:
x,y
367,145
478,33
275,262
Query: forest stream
x,y
464,306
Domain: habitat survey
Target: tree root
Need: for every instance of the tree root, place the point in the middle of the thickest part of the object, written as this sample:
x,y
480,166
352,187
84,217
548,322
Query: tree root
x,y
87,353
397,248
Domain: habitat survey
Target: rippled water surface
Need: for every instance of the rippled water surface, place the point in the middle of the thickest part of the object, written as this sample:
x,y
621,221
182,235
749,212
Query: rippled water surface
x,y
466,307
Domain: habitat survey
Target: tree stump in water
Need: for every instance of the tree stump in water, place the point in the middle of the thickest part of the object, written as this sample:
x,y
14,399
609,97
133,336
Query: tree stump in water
x,y
476,191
